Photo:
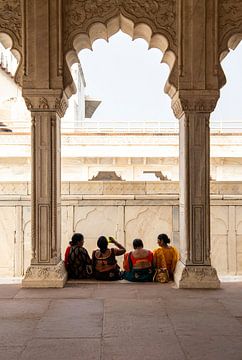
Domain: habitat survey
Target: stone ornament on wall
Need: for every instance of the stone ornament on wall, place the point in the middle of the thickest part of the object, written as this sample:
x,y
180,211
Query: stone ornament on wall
x,y
11,19
229,31
80,14
47,103
194,102
230,21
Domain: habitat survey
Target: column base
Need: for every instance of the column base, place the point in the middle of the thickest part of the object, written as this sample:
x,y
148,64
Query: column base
x,y
45,276
196,277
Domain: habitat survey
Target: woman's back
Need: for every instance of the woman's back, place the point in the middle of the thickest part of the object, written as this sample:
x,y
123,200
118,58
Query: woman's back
x,y
138,264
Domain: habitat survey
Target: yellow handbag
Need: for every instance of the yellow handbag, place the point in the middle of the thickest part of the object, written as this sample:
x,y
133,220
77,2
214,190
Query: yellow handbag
x,y
161,275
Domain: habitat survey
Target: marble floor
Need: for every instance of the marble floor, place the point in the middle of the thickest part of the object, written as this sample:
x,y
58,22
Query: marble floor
x,y
119,321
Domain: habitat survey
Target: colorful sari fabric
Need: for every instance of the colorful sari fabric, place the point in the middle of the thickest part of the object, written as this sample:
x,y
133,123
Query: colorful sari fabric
x,y
138,269
105,265
77,262
170,255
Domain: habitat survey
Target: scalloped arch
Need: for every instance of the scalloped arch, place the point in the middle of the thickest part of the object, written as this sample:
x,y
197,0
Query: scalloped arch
x,y
9,41
231,43
99,30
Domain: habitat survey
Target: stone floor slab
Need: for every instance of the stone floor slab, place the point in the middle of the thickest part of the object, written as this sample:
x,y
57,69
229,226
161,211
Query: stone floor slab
x,y
196,316
11,353
83,291
121,348
106,321
72,318
146,319
62,349
9,291
212,347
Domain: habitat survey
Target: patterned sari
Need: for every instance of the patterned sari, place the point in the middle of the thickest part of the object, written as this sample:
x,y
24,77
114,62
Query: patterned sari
x,y
78,263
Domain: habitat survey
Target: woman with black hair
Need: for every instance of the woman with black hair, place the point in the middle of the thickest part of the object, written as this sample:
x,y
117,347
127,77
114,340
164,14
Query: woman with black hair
x,y
77,259
138,264
168,252
104,261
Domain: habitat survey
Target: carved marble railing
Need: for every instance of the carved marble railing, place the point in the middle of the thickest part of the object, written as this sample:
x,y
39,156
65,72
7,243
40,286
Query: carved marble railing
x,y
131,189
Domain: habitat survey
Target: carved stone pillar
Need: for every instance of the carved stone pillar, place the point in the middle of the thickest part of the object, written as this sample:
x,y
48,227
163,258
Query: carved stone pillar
x,y
46,269
194,270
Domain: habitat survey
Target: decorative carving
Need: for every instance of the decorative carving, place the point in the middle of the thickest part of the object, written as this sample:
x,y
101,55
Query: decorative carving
x,y
45,272
196,277
230,21
51,102
61,105
28,103
198,273
11,18
162,13
204,103
43,103
80,14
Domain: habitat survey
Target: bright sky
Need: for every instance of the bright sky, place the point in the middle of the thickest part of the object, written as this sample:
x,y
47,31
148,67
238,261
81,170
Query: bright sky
x,y
129,79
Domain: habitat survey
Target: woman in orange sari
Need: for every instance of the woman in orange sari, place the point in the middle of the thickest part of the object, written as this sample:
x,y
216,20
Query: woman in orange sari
x,y
166,253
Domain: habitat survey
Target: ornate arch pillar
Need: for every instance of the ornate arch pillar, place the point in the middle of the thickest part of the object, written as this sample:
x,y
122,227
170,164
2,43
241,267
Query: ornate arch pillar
x,y
47,268
45,98
193,109
196,97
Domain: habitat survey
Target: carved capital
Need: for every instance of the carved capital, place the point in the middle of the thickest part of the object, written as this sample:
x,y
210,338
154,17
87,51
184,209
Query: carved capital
x,y
194,101
46,101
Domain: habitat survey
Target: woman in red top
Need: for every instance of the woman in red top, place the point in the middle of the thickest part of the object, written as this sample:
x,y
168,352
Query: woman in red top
x,y
138,264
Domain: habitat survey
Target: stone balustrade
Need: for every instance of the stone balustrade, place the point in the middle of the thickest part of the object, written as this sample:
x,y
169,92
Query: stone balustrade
x,y
122,209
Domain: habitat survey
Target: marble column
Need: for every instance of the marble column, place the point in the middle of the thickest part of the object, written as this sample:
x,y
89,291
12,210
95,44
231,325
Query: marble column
x,y
194,269
46,269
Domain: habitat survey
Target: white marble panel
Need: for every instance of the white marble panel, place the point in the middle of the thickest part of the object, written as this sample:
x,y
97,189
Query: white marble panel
x,y
146,222
219,220
27,245
239,219
7,231
219,253
94,221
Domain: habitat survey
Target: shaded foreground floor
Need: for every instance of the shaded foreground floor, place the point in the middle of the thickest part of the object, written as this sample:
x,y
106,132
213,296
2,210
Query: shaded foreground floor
x,y
101,321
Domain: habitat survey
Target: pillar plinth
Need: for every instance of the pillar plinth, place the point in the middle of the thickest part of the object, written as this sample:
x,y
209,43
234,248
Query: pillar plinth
x,y
45,276
196,277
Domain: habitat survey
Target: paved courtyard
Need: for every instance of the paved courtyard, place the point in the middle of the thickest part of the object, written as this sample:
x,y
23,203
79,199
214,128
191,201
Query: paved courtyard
x,y
117,321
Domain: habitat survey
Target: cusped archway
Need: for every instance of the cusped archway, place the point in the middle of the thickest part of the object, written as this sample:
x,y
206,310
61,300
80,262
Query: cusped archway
x,y
157,30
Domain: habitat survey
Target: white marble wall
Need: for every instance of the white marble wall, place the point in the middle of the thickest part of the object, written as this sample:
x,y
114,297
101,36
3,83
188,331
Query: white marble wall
x,y
139,210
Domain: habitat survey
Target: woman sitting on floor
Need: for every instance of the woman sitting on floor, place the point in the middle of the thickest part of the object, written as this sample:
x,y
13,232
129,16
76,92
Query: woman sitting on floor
x,y
138,264
104,261
77,259
167,253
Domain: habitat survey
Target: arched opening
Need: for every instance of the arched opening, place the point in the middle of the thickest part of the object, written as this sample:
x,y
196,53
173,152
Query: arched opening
x,y
14,160
226,163
141,169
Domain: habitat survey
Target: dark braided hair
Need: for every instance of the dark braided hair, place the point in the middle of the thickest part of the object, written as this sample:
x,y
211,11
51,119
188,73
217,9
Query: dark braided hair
x,y
76,238
164,238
